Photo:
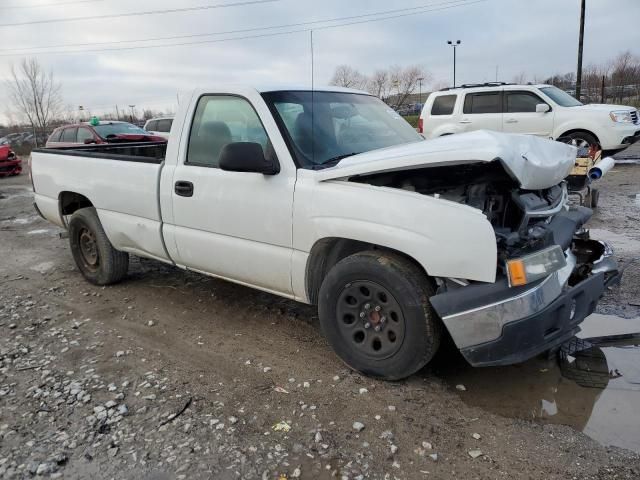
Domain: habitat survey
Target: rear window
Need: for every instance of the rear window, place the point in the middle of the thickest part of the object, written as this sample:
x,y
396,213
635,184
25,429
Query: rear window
x,y
482,102
164,125
69,135
443,105
151,126
55,136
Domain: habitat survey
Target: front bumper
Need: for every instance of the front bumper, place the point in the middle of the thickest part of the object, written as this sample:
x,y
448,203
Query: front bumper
x,y
619,136
541,331
493,324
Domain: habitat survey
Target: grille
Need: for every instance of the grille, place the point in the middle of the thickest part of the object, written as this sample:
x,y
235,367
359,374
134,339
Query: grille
x,y
634,117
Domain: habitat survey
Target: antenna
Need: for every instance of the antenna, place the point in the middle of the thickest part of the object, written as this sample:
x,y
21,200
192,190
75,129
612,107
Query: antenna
x,y
313,136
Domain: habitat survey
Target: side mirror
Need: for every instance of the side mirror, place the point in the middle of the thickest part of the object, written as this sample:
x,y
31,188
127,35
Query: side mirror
x,y
89,141
542,108
246,157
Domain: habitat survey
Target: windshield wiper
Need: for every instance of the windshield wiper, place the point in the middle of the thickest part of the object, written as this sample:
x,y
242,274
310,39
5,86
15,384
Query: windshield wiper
x,y
333,161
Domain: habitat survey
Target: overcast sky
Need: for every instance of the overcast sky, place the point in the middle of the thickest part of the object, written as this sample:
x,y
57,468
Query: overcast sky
x,y
538,37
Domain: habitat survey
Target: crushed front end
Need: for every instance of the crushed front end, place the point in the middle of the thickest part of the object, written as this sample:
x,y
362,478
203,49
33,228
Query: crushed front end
x,y
550,273
10,163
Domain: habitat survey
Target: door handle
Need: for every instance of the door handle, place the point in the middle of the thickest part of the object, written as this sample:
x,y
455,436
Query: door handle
x,y
184,189
464,121
511,120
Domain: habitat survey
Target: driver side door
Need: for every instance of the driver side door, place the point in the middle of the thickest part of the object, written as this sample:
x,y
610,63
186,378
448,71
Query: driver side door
x,y
235,225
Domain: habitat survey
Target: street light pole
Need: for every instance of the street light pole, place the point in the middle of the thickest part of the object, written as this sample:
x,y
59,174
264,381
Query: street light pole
x,y
454,45
420,80
580,47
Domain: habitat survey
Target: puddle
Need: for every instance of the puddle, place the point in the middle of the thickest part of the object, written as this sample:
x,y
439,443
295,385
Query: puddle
x,y
594,386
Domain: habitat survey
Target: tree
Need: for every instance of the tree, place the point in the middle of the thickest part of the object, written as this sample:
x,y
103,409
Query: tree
x,y
35,94
378,84
404,82
348,77
520,78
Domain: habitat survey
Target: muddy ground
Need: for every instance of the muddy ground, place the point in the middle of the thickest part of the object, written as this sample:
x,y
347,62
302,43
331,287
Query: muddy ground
x,y
171,375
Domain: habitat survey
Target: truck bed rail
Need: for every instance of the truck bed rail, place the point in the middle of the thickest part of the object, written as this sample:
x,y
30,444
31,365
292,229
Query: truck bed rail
x,y
145,152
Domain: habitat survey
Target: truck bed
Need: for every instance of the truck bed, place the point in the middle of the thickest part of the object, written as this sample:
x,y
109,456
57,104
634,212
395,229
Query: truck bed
x,y
121,181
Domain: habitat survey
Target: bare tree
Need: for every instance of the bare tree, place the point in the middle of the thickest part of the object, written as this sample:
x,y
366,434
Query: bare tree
x,y
404,82
35,94
379,84
348,77
520,78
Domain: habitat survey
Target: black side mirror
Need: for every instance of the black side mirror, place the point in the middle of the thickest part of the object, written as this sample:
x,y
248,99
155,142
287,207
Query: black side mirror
x,y
246,157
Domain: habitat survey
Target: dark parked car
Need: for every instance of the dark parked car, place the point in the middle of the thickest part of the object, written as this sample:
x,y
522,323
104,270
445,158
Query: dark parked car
x,y
99,132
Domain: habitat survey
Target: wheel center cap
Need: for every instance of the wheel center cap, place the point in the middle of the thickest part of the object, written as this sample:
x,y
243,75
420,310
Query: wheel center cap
x,y
374,318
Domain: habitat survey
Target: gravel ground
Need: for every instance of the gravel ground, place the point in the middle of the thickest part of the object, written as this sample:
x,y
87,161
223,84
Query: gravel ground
x,y
171,375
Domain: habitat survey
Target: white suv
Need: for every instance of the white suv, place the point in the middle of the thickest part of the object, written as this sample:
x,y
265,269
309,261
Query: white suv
x,y
159,126
542,110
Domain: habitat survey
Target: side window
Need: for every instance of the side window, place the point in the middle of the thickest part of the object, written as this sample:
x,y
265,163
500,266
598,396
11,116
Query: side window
x,y
164,125
69,135
483,103
55,136
219,120
518,102
443,105
84,134
152,126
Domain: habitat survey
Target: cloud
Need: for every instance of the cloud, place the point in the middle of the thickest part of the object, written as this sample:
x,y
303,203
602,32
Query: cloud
x,y
538,38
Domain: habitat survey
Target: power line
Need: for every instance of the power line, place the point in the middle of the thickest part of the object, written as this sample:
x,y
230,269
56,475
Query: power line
x,y
449,5
138,14
44,5
228,32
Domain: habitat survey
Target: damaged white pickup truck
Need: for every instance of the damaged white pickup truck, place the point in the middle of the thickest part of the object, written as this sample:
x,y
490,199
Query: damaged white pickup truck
x,y
330,198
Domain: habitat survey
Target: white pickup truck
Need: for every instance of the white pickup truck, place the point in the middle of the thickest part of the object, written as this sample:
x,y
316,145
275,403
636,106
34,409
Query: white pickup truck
x,y
328,197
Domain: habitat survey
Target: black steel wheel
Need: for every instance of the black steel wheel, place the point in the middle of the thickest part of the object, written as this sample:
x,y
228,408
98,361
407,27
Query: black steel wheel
x,y
374,311
371,318
92,251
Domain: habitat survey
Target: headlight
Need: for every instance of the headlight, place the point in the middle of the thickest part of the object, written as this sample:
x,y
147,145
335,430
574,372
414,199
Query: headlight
x,y
621,116
535,266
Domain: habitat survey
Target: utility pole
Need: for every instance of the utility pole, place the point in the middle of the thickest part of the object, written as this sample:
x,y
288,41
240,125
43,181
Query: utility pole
x,y
580,44
454,45
420,80
117,113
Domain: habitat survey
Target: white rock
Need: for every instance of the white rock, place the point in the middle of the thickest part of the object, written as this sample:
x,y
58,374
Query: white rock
x,y
318,437
233,420
394,449
476,436
434,457
358,426
475,453
119,353
306,384
296,473
336,378
362,391
266,369
427,446
392,408
461,387
151,323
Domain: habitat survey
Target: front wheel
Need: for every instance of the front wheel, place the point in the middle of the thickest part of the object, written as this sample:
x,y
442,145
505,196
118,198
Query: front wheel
x,y
374,311
97,260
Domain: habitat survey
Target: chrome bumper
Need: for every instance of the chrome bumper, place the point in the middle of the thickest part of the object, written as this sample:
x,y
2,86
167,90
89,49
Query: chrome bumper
x,y
485,323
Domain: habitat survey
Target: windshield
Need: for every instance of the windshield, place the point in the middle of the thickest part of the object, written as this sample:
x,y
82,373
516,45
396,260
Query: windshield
x,y
107,129
324,127
561,97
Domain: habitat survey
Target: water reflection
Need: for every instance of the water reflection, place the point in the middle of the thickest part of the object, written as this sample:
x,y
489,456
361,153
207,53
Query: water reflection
x,y
594,386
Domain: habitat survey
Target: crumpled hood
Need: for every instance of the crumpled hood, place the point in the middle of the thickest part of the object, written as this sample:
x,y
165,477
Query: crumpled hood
x,y
534,162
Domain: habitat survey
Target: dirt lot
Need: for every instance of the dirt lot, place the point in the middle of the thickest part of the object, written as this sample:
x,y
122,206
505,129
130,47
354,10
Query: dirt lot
x,y
92,378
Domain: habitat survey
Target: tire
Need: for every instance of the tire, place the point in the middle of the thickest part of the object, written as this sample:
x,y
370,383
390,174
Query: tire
x,y
581,139
97,260
409,332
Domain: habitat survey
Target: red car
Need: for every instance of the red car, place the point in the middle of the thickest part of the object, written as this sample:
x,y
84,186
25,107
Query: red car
x,y
10,163
99,132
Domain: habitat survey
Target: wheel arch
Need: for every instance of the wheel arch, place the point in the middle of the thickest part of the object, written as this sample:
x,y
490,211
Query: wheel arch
x,y
579,130
327,252
69,202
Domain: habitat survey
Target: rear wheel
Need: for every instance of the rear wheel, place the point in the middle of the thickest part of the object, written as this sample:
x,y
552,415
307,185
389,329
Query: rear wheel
x,y
97,260
374,311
